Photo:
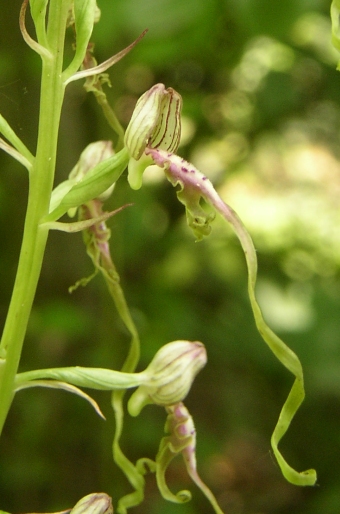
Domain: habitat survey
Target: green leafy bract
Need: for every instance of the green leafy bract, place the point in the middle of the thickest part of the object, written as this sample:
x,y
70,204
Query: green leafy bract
x,y
95,182
84,19
38,13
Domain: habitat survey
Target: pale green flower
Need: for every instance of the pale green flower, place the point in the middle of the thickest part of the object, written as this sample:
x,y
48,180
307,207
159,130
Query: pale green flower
x,y
169,375
155,123
94,503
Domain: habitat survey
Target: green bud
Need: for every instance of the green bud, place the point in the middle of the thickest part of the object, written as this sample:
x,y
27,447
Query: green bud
x,y
170,375
94,503
155,122
95,184
93,154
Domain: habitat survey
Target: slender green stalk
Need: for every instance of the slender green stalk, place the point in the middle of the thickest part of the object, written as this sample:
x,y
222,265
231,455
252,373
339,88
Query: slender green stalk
x,y
40,186
96,240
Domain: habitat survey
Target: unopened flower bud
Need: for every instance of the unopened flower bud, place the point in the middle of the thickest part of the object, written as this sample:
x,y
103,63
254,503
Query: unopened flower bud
x,y
94,503
170,375
93,154
155,122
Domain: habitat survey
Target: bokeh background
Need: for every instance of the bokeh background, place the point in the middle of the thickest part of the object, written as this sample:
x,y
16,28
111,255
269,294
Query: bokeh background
x,y
262,120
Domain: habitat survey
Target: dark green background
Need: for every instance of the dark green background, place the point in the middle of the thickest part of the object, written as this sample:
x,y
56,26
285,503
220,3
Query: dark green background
x,y
266,130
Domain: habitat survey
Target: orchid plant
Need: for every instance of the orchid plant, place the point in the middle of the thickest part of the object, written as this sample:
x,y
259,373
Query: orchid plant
x,y
151,139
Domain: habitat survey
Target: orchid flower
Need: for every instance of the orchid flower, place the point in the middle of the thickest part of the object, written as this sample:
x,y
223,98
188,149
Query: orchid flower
x,y
152,140
181,439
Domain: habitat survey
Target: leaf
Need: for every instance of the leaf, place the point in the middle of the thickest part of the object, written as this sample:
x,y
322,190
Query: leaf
x,y
100,68
95,378
95,182
78,226
39,48
15,154
84,17
15,141
38,13
55,384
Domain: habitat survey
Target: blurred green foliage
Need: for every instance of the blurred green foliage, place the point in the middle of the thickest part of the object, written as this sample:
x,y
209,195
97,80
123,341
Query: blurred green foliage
x,y
261,106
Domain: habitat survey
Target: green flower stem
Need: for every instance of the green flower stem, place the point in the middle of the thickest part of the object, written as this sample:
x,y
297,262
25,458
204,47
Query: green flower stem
x,y
96,240
40,187
135,478
110,116
94,85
